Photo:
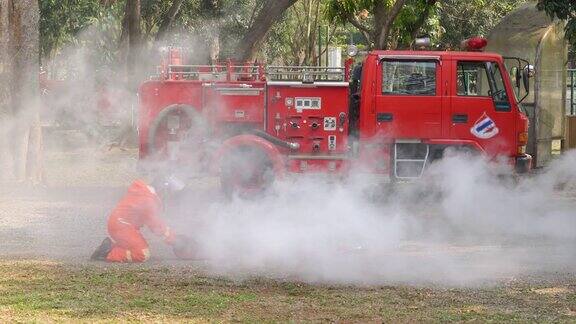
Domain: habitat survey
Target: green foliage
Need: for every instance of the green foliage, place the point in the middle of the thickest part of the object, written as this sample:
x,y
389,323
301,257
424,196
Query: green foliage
x,y
461,19
100,40
406,25
62,20
97,28
154,12
448,21
234,20
294,40
79,35
339,10
564,10
416,17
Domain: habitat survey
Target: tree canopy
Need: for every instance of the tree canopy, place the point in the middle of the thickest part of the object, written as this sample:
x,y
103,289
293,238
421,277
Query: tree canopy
x,y
286,31
564,10
393,24
374,18
461,19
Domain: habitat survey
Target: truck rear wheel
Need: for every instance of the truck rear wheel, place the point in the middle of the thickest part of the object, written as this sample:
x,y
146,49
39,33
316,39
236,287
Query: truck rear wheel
x,y
246,172
180,133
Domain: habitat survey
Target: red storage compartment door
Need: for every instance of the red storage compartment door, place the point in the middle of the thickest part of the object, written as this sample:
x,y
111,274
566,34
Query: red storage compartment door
x,y
240,103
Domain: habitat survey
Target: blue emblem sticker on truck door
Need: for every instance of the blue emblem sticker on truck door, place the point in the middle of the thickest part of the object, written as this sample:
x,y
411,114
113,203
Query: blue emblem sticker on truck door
x,y
484,127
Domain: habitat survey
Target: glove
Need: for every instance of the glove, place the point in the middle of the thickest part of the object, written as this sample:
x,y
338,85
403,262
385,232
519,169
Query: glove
x,y
170,239
169,236
184,248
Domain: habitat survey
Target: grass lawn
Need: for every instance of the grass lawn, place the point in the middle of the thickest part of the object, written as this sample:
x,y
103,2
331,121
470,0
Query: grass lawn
x,y
39,291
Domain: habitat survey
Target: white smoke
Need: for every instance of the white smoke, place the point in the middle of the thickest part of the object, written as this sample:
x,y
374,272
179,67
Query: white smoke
x,y
463,224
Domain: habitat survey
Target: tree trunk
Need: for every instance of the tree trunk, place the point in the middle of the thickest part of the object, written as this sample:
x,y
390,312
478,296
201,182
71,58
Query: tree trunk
x,y
422,19
380,13
21,151
384,19
311,33
212,13
366,32
169,19
132,21
271,12
6,169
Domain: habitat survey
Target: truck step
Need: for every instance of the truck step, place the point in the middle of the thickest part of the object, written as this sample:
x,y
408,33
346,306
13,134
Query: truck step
x,y
410,160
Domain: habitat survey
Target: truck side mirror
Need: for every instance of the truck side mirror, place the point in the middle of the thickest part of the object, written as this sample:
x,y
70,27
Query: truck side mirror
x,y
516,76
527,73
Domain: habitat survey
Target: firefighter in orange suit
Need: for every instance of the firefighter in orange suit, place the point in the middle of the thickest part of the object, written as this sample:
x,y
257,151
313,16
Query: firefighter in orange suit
x,y
140,206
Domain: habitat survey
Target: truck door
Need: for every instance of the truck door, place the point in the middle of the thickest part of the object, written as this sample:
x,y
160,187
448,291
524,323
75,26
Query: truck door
x,y
408,100
481,109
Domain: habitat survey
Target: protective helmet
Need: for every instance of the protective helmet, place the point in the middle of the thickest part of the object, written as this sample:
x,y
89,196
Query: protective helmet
x,y
173,183
170,183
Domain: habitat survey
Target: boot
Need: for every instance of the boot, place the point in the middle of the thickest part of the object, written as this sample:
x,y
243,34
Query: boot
x,y
102,251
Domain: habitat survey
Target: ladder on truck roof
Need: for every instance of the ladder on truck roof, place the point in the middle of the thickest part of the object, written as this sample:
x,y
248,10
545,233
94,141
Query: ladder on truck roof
x,y
250,72
306,73
219,72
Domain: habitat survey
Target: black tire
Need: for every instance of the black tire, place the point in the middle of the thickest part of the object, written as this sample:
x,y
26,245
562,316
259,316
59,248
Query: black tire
x,y
246,172
191,113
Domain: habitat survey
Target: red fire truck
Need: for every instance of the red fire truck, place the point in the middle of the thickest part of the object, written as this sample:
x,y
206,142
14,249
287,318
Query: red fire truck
x,y
394,114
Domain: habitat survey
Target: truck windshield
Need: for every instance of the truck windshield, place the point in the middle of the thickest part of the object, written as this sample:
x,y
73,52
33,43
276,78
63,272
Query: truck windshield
x,y
409,78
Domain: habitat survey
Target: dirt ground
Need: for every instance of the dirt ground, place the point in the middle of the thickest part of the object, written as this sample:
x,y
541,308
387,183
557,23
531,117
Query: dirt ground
x,y
65,218
53,229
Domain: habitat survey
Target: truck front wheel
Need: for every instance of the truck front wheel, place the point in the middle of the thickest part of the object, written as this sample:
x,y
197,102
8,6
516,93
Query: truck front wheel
x,y
246,172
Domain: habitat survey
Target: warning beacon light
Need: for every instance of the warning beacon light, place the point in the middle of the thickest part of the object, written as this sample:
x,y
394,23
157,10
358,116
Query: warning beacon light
x,y
352,50
474,44
422,42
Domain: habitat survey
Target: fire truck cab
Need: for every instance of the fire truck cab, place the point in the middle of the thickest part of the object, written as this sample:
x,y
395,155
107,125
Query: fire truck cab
x,y
414,105
393,115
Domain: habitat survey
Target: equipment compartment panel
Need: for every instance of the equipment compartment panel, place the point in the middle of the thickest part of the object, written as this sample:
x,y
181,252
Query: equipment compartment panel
x,y
309,114
235,103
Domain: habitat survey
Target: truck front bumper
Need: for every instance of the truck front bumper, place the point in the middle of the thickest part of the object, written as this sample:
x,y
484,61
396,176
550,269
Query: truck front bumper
x,y
523,163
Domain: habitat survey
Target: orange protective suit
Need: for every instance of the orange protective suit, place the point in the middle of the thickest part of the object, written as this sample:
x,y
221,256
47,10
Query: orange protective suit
x,y
140,206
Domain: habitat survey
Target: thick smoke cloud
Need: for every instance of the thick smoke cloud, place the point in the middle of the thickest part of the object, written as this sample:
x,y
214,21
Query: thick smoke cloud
x,y
464,224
